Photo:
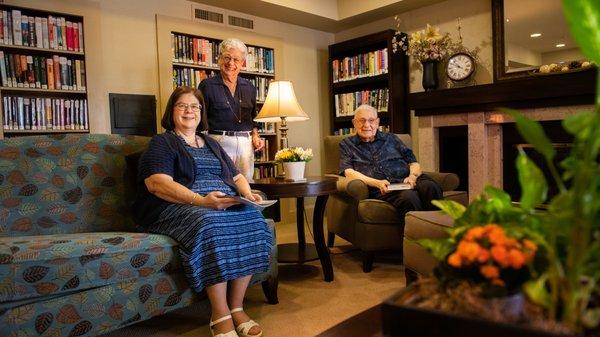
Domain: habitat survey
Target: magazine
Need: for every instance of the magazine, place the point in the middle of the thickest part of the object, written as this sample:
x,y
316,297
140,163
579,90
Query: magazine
x,y
399,187
260,205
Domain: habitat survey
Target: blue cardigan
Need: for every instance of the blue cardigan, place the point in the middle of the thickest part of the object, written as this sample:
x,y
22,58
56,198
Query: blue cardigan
x,y
167,154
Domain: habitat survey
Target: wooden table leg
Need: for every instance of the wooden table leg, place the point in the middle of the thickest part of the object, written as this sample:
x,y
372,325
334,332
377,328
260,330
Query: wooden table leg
x,y
300,229
322,249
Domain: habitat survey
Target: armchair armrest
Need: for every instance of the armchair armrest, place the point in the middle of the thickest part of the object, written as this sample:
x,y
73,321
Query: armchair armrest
x,y
448,181
354,188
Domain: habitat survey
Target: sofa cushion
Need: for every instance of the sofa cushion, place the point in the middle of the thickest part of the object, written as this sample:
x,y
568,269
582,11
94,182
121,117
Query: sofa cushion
x,y
65,184
34,266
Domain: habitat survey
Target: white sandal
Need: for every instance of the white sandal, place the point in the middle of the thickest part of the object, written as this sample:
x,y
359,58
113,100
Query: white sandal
x,y
244,328
231,333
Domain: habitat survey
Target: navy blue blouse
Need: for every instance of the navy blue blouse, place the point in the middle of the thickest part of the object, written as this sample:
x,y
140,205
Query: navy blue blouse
x,y
386,157
227,112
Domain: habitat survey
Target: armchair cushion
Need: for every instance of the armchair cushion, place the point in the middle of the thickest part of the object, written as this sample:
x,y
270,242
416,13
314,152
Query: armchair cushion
x,y
377,211
356,189
447,181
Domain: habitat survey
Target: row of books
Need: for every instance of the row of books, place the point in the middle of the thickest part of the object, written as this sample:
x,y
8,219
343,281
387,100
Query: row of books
x,y
351,131
36,113
263,154
264,171
52,32
205,52
362,65
346,103
192,77
27,71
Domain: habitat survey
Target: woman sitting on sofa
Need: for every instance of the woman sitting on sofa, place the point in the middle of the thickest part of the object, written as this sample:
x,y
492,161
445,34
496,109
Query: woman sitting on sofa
x,y
187,182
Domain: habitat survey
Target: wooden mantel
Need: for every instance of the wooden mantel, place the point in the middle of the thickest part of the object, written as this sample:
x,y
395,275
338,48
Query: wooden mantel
x,y
574,88
542,98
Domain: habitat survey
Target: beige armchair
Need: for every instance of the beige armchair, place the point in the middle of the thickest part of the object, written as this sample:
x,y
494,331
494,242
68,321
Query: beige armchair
x,y
369,224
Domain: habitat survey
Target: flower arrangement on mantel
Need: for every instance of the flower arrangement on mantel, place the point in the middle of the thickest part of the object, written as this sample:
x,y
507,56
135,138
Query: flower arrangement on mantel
x,y
551,255
423,45
294,154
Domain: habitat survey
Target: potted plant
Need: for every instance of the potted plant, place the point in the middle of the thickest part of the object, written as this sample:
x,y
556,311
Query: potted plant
x,y
428,47
294,161
545,280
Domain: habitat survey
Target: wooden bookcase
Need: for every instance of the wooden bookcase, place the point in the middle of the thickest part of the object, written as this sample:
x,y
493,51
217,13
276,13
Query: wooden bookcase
x,y
194,58
366,68
46,51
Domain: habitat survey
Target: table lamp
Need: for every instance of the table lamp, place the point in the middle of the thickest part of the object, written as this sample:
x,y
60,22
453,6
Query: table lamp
x,y
282,106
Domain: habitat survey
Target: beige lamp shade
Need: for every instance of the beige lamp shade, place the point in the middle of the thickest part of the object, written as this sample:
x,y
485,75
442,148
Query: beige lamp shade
x,y
281,102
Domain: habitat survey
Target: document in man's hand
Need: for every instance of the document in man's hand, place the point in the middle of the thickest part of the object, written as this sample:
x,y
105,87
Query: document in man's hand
x,y
260,205
399,187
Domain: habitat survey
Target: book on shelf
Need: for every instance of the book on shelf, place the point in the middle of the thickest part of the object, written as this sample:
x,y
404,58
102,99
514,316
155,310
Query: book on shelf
x,y
399,187
33,71
346,103
49,32
368,64
37,113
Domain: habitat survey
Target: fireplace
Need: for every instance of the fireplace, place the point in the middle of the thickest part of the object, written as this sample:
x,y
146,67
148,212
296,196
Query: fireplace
x,y
561,141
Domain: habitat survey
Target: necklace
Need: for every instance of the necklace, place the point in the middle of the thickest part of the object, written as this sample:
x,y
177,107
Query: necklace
x,y
238,117
188,143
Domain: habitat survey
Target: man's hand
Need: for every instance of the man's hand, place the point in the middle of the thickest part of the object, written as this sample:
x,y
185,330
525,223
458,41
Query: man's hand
x,y
382,185
411,179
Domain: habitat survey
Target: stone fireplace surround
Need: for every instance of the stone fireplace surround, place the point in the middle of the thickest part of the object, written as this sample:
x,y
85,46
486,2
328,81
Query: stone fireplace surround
x,y
541,99
484,140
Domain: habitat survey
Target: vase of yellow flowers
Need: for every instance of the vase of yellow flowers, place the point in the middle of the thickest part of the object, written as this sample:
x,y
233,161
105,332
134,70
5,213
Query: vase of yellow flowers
x,y
427,46
294,162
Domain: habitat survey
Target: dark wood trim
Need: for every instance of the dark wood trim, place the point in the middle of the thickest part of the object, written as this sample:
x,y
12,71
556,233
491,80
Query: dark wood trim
x,y
531,92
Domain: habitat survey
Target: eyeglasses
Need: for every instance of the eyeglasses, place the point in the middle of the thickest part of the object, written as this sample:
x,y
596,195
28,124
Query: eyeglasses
x,y
227,59
363,121
184,107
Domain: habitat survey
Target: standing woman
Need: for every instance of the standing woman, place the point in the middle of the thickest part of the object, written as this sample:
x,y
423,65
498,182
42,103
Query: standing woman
x,y
230,102
186,182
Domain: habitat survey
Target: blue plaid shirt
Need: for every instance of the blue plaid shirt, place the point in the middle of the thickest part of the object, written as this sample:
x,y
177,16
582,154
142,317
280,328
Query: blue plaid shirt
x,y
386,157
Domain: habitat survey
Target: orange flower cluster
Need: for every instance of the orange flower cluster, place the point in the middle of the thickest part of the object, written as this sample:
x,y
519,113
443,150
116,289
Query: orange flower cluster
x,y
489,247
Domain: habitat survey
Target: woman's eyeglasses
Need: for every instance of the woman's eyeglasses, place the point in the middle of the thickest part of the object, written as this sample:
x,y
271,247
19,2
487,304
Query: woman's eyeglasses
x,y
184,107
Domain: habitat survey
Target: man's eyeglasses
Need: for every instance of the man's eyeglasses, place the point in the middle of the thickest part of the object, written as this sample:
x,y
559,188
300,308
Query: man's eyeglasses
x,y
363,121
184,107
227,59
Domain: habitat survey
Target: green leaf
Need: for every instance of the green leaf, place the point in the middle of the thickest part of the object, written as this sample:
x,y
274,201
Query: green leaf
x,y
439,248
583,17
533,133
497,199
537,292
450,207
534,188
579,125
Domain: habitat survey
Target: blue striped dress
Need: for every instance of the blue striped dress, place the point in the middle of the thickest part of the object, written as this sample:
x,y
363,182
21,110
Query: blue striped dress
x,y
215,246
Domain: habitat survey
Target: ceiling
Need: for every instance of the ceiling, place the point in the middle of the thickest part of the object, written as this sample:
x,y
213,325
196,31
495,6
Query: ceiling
x,y
324,15
526,17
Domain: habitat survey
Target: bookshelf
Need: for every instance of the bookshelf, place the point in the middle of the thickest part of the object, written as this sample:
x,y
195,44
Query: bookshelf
x,y
365,70
42,72
194,58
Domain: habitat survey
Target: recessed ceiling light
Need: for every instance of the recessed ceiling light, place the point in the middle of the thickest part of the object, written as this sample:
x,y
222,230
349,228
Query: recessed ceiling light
x,y
507,20
560,45
536,35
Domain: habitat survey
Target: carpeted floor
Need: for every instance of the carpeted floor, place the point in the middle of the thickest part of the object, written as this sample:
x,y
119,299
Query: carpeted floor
x,y
307,304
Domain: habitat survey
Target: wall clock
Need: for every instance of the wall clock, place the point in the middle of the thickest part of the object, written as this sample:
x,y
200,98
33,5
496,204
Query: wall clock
x,y
460,67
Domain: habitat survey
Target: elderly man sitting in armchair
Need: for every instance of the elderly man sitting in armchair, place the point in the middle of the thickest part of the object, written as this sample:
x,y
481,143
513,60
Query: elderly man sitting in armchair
x,y
379,159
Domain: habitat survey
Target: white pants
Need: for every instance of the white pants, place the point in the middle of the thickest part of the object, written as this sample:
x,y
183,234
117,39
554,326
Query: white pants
x,y
240,150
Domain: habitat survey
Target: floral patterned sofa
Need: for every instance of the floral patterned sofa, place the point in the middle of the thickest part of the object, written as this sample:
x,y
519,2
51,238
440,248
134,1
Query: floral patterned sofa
x,y
71,263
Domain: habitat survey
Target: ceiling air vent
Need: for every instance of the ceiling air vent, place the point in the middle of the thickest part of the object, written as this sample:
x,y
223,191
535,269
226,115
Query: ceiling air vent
x,y
241,22
203,14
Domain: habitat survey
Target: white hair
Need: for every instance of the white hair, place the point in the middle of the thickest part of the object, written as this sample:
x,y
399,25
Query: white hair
x,y
366,107
233,43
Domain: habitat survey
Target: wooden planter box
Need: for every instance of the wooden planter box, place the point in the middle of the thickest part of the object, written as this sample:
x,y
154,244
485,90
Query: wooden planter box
x,y
405,320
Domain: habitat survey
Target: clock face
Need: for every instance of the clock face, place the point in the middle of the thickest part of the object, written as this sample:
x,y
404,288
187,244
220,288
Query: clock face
x,y
460,66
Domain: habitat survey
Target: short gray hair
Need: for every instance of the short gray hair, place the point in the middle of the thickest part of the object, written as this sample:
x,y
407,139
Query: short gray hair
x,y
233,43
365,107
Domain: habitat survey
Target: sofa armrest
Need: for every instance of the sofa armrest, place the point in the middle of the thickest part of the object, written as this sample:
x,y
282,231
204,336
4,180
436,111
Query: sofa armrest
x,y
354,188
448,181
